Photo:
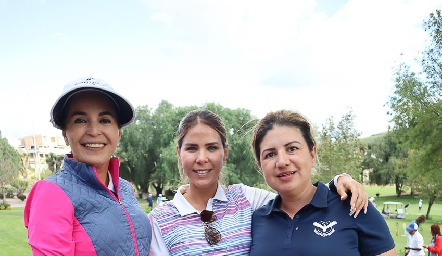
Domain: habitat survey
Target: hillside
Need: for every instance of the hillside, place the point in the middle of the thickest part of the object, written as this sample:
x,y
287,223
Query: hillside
x,y
373,138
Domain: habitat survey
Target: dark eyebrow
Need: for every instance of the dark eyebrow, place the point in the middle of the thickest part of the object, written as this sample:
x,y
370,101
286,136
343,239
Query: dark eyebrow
x,y
82,113
295,142
213,143
285,145
207,144
105,113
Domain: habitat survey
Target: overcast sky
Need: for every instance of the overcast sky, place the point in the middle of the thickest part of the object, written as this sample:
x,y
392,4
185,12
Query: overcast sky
x,y
322,58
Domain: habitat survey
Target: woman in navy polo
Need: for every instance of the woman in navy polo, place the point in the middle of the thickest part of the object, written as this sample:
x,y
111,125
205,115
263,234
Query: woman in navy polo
x,y
306,218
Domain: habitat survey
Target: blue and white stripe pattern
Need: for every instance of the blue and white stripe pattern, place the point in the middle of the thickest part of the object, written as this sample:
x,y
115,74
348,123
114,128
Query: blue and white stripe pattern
x,y
184,235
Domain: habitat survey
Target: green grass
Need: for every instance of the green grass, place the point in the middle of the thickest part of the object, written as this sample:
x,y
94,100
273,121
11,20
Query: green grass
x,y
397,226
13,239
388,193
382,190
397,230
144,205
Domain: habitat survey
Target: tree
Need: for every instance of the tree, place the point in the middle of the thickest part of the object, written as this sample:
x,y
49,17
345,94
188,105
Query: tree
x,y
339,149
166,172
20,185
387,157
25,163
430,186
136,163
416,110
10,164
54,162
147,148
240,166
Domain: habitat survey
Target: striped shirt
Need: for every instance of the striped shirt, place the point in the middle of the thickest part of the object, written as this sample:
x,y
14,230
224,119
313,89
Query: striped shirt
x,y
178,230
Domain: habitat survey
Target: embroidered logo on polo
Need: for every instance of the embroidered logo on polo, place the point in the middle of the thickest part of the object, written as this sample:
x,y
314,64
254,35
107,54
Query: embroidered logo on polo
x,y
324,227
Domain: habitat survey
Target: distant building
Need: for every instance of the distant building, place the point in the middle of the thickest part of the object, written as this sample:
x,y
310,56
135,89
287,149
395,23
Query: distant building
x,y
38,148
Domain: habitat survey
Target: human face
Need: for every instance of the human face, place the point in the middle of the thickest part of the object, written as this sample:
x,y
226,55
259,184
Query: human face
x,y
286,161
202,156
92,129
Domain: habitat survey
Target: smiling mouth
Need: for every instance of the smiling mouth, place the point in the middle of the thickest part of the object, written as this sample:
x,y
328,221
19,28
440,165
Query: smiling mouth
x,y
201,172
286,174
94,145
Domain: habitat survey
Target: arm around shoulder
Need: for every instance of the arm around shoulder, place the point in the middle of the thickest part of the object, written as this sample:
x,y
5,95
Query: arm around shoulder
x,y
256,196
345,183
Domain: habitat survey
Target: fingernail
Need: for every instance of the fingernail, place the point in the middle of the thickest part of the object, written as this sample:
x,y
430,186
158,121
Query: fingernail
x,y
342,197
365,211
356,215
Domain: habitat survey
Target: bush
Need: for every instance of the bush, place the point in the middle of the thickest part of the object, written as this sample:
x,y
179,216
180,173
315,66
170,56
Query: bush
x,y
5,206
2,196
9,194
20,186
377,194
21,197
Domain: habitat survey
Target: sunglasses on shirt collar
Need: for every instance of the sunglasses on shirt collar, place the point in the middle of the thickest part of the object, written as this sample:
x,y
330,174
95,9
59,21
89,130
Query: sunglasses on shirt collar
x,y
213,236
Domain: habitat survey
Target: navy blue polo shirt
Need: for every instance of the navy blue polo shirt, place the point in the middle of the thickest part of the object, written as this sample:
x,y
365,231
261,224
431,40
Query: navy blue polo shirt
x,y
322,227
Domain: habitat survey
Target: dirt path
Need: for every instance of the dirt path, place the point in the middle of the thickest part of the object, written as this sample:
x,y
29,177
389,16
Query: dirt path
x,y
15,202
